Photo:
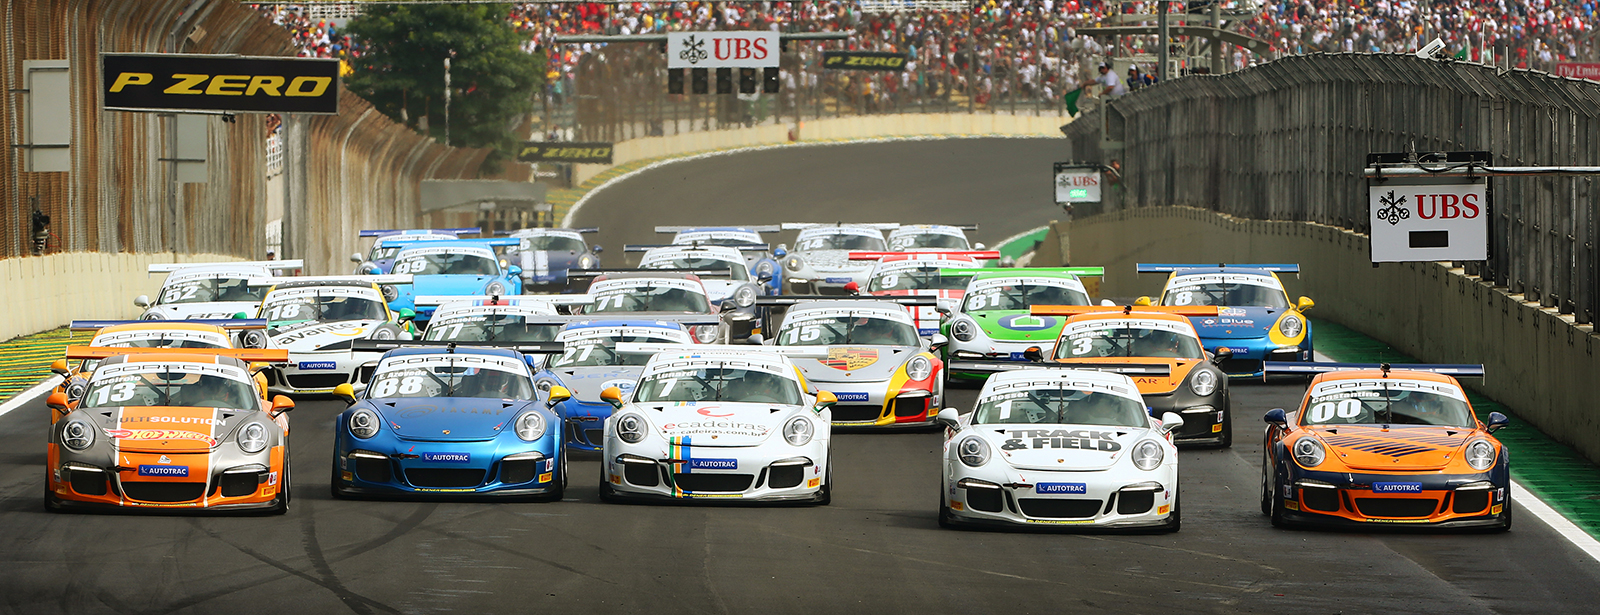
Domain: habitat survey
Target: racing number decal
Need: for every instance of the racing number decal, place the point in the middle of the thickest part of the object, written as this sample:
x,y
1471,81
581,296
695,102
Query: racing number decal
x,y
601,303
577,353
1183,298
805,333
889,281
284,312
119,392
386,387
411,265
452,331
1082,345
901,243
180,293
1325,411
982,300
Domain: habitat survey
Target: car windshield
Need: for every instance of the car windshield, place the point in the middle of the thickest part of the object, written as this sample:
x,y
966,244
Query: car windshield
x,y
717,241
321,308
1226,294
492,328
380,253
599,351
552,243
1059,406
923,278
865,330
169,339
714,383
1388,406
455,375
1122,341
166,386
214,289
738,270
446,264
649,298
841,241
928,240
1021,296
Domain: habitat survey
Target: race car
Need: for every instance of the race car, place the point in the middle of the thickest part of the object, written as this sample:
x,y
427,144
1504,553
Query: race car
x,y
381,258
1384,444
143,334
1256,322
169,429
492,319
316,319
208,290
1161,351
938,237
724,422
449,419
460,267
545,255
917,274
1059,447
589,363
993,321
820,263
639,293
882,373
761,258
710,263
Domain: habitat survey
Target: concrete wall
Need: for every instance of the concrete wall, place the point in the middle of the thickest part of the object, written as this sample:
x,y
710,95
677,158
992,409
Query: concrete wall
x,y
1538,363
856,127
45,292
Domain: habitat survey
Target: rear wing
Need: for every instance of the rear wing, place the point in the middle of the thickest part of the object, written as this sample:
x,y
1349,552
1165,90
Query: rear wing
x,y
907,301
171,267
388,278
1286,368
594,273
1171,267
252,355
1009,271
974,254
799,352
442,231
800,226
370,345
743,247
592,229
1162,370
1074,310
765,228
231,324
964,227
687,320
512,300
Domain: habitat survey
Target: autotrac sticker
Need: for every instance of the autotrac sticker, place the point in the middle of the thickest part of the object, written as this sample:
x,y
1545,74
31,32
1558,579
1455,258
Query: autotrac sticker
x,y
674,335
1061,488
458,360
1008,282
1188,282
1082,439
625,285
128,371
896,314
122,339
1364,389
450,248
693,236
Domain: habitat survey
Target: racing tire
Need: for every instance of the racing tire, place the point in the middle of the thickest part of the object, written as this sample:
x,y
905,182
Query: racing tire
x,y
947,519
1266,489
607,494
560,490
1227,430
1276,510
1175,520
825,494
1505,519
51,504
333,484
281,503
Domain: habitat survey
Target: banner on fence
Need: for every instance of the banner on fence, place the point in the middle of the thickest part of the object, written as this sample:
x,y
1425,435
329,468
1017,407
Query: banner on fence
x,y
733,49
232,84
565,151
863,60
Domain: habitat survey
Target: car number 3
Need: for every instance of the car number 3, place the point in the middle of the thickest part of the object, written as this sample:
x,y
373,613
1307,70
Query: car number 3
x,y
389,386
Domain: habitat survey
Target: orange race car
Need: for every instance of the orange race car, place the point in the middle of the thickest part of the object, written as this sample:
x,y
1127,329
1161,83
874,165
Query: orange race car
x,y
183,428
1381,444
143,334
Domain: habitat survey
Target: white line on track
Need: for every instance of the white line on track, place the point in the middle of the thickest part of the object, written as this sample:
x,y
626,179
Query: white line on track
x,y
23,398
1574,534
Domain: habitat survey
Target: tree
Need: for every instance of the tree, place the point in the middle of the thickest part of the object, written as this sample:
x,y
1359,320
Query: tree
x,y
401,70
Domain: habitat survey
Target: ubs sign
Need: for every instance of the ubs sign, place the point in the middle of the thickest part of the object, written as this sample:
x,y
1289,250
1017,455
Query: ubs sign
x,y
722,49
1077,183
1444,219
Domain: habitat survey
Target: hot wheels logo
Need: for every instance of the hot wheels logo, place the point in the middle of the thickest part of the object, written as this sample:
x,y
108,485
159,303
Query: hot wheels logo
x,y
160,434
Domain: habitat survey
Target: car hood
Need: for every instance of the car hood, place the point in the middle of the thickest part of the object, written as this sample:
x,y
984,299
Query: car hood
x,y
721,289
586,383
1402,448
449,418
716,423
1018,326
214,309
834,260
1068,448
544,263
311,336
1237,323
445,284
851,364
167,429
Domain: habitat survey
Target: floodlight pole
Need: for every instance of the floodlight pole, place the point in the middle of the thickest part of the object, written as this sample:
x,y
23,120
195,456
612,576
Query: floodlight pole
x,y
1162,50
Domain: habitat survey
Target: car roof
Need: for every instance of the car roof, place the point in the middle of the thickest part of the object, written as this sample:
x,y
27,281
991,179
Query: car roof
x,y
1118,315
1234,270
621,322
324,283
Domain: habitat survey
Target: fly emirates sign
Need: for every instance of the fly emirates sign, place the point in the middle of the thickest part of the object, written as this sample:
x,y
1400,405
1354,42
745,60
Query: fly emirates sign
x,y
722,49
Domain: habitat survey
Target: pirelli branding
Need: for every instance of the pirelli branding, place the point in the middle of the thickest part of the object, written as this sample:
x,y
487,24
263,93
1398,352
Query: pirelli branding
x,y
192,82
557,151
863,60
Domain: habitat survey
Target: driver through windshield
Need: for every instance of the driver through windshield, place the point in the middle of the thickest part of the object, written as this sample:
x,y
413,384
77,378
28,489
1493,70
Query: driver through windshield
x,y
714,383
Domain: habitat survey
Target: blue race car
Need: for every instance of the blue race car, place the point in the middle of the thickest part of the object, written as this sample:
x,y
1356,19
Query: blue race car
x,y
589,363
459,267
761,258
546,254
449,419
388,241
1255,322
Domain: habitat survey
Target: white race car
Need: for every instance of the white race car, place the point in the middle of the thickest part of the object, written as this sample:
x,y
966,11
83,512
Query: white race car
x,y
880,370
316,319
820,263
1049,446
918,237
728,422
209,290
708,263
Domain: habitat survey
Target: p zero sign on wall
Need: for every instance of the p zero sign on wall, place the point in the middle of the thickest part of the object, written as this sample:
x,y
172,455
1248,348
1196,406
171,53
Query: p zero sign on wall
x,y
237,84
1429,219
722,49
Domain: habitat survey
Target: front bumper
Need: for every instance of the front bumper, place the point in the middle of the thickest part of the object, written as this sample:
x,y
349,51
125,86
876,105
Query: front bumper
x,y
586,421
224,479
1248,354
398,467
981,349
1443,500
869,404
767,473
998,494
312,373
1205,419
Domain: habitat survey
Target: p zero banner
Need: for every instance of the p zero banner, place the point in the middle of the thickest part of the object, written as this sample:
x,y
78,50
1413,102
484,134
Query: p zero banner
x,y
239,84
863,60
567,151
735,49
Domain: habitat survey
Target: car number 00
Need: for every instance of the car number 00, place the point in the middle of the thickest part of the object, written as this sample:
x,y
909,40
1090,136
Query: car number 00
x,y
1325,411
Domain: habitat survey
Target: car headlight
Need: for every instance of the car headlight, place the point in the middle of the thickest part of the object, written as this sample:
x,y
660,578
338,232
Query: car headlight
x,y
1204,382
75,390
390,293
152,315
1148,455
495,288
765,267
630,427
1290,326
1480,454
544,384
963,330
919,368
973,451
706,334
588,261
798,431
253,438
383,333
745,296
77,435
364,424
794,263
253,339
530,426
1309,452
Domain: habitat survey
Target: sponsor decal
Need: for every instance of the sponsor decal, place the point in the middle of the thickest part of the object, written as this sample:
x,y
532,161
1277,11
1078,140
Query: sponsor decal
x,y
447,457
192,420
339,329
954,505
1496,509
1216,429
713,464
566,151
1397,487
852,396
170,471
1396,520
1060,521
546,477
168,81
616,480
719,427
708,412
1027,322
160,434
1291,505
837,280
164,459
713,495
1164,509
347,476
850,358
863,60
272,478
812,483
1232,312
1060,488
1083,439
318,365
549,465
446,490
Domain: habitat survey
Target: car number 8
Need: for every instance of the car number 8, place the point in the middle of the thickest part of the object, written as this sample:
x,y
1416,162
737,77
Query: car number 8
x,y
1183,298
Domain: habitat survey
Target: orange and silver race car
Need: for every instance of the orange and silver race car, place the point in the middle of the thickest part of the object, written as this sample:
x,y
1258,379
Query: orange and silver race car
x,y
169,428
143,334
1381,444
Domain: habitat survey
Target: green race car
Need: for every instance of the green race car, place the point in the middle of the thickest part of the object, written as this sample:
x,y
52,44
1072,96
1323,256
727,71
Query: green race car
x,y
993,322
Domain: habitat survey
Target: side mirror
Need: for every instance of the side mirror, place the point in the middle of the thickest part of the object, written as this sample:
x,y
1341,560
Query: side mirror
x,y
1497,421
979,246
611,395
57,401
943,310
780,252
1222,354
938,341
825,399
1142,301
756,339
727,305
345,392
949,417
557,395
1107,303
1033,354
356,258
597,249
1305,304
514,270
1170,422
59,367
282,404
764,277
406,314
1276,416
142,301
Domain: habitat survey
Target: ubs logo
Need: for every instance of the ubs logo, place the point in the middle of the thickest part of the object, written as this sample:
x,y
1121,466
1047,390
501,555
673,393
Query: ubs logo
x,y
1394,209
694,50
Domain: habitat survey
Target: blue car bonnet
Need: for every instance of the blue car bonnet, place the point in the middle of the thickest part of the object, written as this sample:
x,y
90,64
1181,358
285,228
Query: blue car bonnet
x,y
448,418
1237,323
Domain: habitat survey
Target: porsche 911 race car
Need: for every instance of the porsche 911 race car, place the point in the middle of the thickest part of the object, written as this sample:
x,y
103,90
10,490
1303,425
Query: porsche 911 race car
x,y
316,319
212,334
381,258
449,419
761,258
169,429
1256,322
881,372
518,318
590,363
1061,447
728,422
641,293
460,267
917,274
209,290
546,254
993,321
1384,445
937,237
820,262
723,272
